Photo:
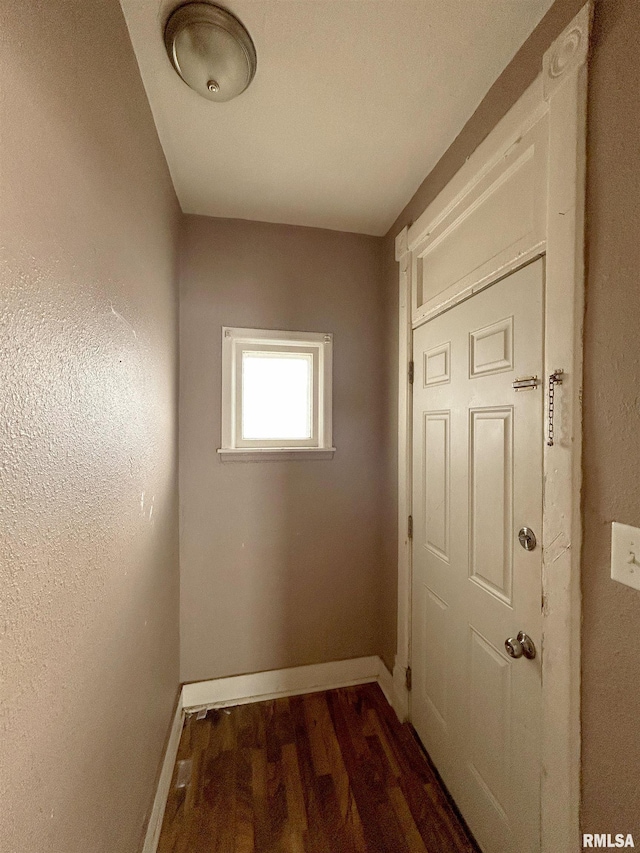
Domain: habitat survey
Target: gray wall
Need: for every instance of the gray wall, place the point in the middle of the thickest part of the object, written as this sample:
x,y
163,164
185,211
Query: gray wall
x,y
88,353
611,458
280,561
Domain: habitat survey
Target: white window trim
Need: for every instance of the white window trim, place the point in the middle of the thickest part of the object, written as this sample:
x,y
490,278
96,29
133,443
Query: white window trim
x,y
320,345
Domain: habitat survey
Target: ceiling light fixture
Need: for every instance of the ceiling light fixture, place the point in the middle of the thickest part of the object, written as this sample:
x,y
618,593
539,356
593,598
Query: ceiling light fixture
x,y
211,50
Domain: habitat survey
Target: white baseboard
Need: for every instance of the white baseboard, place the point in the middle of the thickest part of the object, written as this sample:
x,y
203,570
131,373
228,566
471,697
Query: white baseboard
x,y
164,783
400,701
385,680
241,689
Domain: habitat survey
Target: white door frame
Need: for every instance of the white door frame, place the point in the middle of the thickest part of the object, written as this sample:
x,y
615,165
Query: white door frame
x,y
555,103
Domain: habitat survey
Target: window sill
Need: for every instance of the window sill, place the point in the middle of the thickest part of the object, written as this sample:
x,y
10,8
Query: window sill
x,y
274,454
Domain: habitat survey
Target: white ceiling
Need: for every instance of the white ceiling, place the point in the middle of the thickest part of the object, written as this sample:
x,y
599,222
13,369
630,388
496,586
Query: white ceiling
x,y
353,103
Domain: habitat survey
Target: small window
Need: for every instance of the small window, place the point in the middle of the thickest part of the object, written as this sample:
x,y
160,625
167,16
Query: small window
x,y
276,393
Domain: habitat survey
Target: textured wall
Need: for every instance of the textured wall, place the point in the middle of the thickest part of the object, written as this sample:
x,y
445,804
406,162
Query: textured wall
x,y
611,492
280,561
88,515
611,460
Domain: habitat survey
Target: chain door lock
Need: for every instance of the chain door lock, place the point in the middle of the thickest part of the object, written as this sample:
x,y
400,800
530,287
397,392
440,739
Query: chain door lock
x,y
555,378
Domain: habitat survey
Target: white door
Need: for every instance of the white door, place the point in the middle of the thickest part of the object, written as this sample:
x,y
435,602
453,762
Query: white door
x,y
477,479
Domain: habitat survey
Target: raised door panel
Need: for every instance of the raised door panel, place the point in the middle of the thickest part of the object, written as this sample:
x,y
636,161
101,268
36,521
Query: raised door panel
x,y
435,485
491,348
437,365
434,630
491,500
489,720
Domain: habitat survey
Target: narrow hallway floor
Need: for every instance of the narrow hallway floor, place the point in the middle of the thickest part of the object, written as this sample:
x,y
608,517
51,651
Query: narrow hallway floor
x,y
331,772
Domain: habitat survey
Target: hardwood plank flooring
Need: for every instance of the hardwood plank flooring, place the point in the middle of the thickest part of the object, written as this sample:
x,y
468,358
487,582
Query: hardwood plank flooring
x,y
331,772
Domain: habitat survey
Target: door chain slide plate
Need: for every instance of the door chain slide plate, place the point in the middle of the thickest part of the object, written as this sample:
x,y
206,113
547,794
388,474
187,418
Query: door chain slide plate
x,y
526,383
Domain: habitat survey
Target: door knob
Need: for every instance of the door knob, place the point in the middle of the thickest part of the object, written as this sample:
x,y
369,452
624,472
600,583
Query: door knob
x,y
521,645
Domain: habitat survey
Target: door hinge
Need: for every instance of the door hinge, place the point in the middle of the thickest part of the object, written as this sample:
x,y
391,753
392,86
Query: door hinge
x,y
407,678
410,527
411,372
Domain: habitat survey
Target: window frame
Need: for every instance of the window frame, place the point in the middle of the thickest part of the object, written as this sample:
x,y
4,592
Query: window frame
x,y
237,341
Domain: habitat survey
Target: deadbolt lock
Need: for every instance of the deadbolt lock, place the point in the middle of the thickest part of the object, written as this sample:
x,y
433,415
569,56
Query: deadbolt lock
x,y
527,538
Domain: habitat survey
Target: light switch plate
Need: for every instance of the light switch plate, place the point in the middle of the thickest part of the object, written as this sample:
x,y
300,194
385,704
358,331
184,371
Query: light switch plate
x,y
625,554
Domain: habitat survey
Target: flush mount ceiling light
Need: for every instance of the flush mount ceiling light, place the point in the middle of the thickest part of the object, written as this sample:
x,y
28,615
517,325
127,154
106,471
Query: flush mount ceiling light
x,y
211,50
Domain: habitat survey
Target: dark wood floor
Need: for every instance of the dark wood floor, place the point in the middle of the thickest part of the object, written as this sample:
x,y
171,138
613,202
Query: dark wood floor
x,y
330,771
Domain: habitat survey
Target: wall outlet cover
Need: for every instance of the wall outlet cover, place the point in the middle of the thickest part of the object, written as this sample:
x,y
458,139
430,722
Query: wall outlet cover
x,y
625,554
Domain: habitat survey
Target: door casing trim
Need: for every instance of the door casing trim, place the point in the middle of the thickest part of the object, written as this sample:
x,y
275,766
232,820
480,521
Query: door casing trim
x,y
559,94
